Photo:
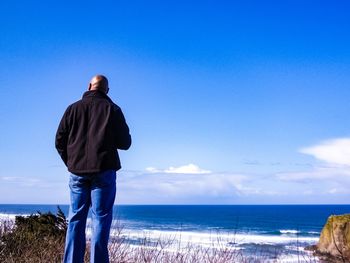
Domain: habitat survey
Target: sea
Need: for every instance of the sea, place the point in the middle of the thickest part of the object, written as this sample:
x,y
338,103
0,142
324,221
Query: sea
x,y
277,233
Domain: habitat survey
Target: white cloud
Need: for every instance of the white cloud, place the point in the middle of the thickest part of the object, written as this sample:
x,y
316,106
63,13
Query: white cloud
x,y
189,184
338,190
11,178
185,169
331,176
248,190
152,170
184,184
335,151
25,181
308,192
320,173
19,179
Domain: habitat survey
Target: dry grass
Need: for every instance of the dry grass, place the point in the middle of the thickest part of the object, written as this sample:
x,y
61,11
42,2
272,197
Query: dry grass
x,y
168,250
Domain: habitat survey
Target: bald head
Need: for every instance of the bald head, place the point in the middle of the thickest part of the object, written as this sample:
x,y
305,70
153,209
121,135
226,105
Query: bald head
x,y
99,82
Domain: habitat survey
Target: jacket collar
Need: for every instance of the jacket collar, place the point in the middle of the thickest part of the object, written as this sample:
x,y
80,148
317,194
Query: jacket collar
x,y
95,93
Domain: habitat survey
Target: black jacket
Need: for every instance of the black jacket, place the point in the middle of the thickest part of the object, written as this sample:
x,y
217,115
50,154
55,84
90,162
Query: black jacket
x,y
89,134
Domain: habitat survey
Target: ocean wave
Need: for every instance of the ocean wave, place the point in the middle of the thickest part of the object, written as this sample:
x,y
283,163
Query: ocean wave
x,y
6,216
303,257
289,231
289,247
208,238
313,233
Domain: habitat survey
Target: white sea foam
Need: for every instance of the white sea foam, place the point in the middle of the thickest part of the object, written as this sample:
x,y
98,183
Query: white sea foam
x,y
313,232
301,258
183,239
289,231
12,217
210,238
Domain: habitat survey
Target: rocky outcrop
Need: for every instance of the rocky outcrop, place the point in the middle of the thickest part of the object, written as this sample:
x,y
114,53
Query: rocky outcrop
x,y
335,238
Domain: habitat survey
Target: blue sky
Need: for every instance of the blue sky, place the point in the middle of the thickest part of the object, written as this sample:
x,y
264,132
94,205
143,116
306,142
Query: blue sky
x,y
228,102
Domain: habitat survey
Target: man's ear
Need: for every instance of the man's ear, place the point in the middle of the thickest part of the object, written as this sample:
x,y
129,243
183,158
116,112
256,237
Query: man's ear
x,y
89,86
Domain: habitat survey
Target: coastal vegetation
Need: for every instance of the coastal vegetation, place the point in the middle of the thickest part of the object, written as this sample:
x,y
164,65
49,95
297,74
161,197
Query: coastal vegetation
x,y
40,238
35,238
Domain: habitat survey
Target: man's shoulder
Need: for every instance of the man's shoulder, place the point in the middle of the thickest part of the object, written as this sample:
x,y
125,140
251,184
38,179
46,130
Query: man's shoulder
x,y
111,103
74,107
75,104
116,107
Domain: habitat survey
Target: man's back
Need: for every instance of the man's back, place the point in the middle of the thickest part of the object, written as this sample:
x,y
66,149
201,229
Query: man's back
x,y
90,132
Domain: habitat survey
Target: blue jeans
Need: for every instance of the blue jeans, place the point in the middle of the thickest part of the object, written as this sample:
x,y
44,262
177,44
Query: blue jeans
x,y
98,192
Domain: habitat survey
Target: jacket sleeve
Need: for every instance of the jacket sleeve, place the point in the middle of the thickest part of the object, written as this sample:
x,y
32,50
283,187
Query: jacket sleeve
x,y
62,137
123,133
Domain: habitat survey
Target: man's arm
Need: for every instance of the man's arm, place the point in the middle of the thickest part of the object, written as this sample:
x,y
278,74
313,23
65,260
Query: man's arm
x,y
62,137
123,133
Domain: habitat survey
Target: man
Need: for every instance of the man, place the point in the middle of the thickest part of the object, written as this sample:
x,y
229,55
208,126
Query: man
x,y
87,139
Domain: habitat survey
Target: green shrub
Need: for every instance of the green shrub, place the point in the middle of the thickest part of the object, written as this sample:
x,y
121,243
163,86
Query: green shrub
x,y
36,238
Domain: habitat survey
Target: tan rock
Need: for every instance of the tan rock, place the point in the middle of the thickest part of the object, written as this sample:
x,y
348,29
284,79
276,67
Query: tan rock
x,y
335,237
